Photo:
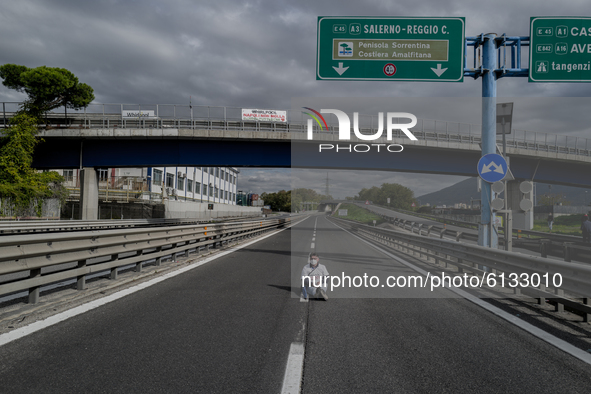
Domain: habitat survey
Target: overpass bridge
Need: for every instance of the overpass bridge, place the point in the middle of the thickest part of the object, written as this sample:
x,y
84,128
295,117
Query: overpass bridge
x,y
215,136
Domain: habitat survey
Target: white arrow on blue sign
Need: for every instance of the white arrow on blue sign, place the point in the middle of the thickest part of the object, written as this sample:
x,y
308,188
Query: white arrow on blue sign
x,y
492,167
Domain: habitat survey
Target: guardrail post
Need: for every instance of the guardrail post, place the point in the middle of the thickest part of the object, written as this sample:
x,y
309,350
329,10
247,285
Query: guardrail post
x,y
158,262
81,281
516,291
429,231
559,307
138,265
586,316
458,236
567,252
442,233
114,272
542,299
543,249
34,291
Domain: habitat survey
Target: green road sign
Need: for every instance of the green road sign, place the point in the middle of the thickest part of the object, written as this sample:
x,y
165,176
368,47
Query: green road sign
x,y
391,49
560,49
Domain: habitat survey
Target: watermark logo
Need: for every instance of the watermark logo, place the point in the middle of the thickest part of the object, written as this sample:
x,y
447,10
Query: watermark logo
x,y
392,123
315,117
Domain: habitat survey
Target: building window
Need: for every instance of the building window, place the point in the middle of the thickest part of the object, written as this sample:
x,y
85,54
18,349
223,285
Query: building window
x,y
169,180
197,187
227,177
103,174
222,175
216,192
204,189
210,191
225,195
68,175
211,170
189,185
217,172
180,183
157,180
199,168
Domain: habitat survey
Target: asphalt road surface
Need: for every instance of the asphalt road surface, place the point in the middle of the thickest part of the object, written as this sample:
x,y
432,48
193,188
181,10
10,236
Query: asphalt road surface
x,y
228,326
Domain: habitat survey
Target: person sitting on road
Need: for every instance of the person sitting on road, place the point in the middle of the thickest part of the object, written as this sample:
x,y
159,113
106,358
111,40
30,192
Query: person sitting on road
x,y
313,278
586,229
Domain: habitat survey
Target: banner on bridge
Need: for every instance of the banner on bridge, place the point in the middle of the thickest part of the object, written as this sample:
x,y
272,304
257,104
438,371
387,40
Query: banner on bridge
x,y
264,115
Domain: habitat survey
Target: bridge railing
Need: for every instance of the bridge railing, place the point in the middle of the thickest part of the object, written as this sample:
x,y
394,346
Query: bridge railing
x,y
56,257
230,118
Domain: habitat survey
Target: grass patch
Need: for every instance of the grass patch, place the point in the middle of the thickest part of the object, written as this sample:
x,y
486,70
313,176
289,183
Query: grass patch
x,y
567,225
359,214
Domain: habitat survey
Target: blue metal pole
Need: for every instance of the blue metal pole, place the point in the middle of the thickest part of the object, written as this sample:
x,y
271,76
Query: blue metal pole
x,y
487,235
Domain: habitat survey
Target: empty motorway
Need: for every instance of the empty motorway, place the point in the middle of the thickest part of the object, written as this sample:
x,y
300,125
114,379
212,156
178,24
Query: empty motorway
x,y
230,326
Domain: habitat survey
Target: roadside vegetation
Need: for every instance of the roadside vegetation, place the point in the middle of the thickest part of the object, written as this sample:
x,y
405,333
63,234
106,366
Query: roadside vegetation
x,y
566,225
21,186
400,196
359,214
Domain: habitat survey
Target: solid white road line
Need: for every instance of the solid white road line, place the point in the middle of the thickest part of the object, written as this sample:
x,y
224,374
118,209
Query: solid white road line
x,y
292,379
543,335
39,325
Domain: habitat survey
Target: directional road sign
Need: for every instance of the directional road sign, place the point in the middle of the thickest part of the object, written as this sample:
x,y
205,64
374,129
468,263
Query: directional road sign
x,y
390,49
492,167
560,49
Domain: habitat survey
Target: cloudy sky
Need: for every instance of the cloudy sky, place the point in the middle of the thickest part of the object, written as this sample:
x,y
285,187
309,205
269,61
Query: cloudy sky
x,y
250,54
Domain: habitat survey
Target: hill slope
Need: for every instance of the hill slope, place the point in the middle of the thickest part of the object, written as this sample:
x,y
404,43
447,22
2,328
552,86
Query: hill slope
x,y
461,192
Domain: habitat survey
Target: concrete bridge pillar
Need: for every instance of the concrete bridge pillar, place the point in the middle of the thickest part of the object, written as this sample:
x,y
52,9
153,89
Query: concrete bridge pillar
x,y
89,194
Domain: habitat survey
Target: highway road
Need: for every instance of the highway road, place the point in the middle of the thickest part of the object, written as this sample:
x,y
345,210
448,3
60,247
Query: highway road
x,y
230,326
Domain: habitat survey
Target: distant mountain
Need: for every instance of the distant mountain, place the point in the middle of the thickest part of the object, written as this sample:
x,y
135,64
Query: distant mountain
x,y
462,191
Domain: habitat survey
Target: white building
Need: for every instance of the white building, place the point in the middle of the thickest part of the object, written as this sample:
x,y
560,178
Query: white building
x,y
198,184
203,184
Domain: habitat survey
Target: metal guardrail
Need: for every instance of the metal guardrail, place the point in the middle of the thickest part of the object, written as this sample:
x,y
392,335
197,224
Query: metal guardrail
x,y
575,278
545,246
420,228
46,226
107,250
230,118
567,246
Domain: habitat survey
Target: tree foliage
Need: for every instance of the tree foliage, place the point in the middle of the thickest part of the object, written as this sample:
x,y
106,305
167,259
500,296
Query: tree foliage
x,y
292,200
47,87
19,182
302,195
280,201
553,199
400,196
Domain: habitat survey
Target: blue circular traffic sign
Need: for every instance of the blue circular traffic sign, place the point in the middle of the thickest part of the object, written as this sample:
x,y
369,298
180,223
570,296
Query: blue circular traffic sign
x,y
492,167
